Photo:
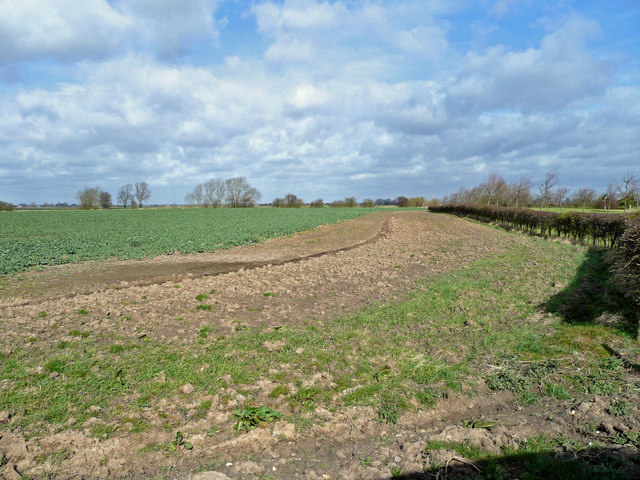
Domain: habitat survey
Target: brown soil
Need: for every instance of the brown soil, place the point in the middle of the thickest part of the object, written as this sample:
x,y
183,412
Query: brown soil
x,y
315,275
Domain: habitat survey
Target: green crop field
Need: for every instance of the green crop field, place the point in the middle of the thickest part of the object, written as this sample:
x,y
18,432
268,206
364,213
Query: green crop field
x,y
31,239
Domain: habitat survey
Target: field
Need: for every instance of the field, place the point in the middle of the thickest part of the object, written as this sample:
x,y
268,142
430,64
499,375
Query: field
x,y
31,239
394,345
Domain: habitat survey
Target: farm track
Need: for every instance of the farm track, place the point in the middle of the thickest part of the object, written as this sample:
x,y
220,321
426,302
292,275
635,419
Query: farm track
x,y
294,282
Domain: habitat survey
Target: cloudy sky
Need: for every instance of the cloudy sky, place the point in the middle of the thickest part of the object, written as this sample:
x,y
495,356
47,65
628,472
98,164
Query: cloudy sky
x,y
327,99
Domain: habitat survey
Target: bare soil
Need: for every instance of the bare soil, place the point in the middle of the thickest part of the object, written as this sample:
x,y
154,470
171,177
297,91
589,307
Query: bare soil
x,y
313,276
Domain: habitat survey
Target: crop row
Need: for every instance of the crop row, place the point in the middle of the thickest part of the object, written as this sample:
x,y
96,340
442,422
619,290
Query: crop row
x,y
38,238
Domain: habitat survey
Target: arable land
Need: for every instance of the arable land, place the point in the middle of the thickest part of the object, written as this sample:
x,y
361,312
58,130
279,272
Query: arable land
x,y
393,345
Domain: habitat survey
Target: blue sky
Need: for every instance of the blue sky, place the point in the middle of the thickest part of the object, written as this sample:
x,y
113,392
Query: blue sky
x,y
318,98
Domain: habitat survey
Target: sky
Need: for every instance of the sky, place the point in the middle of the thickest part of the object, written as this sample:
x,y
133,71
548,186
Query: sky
x,y
323,99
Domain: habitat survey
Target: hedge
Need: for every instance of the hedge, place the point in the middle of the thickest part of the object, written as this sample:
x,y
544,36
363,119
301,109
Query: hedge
x,y
629,258
619,231
606,228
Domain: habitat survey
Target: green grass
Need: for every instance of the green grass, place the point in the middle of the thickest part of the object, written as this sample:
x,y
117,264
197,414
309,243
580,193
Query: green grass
x,y
32,239
387,356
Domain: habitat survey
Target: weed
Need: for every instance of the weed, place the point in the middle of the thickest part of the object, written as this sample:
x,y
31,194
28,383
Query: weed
x,y
364,461
174,446
202,296
204,331
396,471
202,410
42,314
388,412
620,408
115,348
63,344
203,307
304,398
269,294
82,311
104,431
279,390
54,365
78,333
588,429
251,417
474,423
213,290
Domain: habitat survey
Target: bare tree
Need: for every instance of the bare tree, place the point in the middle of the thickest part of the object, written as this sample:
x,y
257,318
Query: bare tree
x,y
629,185
142,192
560,195
494,187
195,196
214,192
545,189
521,190
239,193
88,197
104,199
125,195
584,196
611,195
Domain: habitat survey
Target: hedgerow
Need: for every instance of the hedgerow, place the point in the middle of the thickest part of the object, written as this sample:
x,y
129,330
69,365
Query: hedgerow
x,y
619,231
629,258
598,227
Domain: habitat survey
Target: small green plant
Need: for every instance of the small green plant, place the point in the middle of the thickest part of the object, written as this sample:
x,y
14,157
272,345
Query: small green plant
x,y
213,290
63,344
54,365
588,429
627,438
203,307
269,294
204,331
174,446
115,348
279,390
78,333
388,413
82,311
620,408
364,461
42,314
201,297
474,423
251,417
396,471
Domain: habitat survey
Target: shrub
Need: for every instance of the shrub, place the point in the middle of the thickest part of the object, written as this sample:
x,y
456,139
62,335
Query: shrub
x,y
317,203
628,262
606,228
402,201
6,206
416,202
367,203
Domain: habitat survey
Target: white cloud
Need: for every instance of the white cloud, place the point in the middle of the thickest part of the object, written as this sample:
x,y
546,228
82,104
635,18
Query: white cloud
x,y
69,31
62,29
559,73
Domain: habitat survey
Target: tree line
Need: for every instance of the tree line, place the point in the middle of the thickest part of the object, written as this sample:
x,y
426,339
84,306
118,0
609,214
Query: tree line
x,y
522,192
232,192
131,195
